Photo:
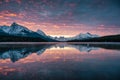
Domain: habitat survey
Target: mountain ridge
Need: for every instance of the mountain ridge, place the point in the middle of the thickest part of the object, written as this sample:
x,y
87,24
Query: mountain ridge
x,y
19,33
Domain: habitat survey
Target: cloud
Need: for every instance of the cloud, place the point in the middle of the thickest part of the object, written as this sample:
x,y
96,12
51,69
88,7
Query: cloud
x,y
6,13
63,14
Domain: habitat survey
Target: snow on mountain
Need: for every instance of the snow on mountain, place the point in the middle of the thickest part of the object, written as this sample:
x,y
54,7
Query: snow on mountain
x,y
18,30
84,36
15,29
49,38
5,28
41,33
78,37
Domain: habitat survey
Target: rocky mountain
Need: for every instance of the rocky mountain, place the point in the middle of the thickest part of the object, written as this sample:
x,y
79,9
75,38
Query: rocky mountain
x,y
109,38
15,29
85,36
41,33
77,37
19,33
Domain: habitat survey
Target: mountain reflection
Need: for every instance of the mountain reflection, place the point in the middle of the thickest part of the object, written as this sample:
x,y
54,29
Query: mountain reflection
x,y
59,61
19,51
16,52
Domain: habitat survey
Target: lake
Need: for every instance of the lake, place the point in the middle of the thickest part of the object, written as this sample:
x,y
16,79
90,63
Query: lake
x,y
59,61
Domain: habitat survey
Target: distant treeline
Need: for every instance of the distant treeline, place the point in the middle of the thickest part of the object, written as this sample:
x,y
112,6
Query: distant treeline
x,y
20,39
11,38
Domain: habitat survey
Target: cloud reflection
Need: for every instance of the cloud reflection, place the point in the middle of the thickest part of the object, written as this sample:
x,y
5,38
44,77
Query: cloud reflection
x,y
18,52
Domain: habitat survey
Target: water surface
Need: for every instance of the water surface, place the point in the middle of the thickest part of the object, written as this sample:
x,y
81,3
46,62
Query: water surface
x,y
60,61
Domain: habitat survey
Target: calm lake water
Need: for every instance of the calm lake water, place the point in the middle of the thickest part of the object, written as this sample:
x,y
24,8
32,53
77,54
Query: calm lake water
x,y
60,61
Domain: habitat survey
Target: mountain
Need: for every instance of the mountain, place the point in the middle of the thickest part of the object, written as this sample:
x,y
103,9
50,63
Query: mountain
x,y
77,37
85,36
110,38
19,33
15,29
49,38
41,33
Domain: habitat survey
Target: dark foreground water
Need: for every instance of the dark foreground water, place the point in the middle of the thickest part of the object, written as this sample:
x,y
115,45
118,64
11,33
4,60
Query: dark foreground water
x,y
60,61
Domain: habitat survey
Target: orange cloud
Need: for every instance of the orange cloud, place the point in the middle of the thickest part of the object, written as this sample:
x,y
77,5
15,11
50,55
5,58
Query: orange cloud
x,y
1,16
10,14
55,26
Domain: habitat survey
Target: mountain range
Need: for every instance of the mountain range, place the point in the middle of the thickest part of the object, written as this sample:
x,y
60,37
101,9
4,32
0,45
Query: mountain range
x,y
19,33
77,37
109,38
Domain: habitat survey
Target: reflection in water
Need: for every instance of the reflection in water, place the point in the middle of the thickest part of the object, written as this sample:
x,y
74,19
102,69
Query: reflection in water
x,y
60,61
20,51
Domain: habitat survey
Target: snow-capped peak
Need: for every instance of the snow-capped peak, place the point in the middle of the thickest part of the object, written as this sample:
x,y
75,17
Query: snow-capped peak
x,y
80,36
14,24
15,29
85,36
18,29
41,32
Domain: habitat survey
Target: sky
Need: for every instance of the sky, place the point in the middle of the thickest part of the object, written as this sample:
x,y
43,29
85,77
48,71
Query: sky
x,y
63,17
